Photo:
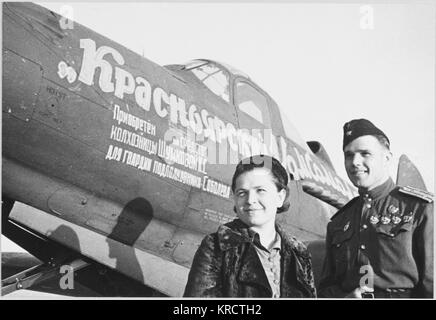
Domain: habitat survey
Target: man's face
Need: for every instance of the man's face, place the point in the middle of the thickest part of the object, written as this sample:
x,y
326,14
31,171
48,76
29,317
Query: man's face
x,y
367,162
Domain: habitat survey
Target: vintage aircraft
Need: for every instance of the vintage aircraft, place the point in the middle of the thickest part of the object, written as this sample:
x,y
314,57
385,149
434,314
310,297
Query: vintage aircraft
x,y
125,165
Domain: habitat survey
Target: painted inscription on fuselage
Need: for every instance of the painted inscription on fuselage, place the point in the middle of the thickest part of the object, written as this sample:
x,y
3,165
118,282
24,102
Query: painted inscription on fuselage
x,y
181,158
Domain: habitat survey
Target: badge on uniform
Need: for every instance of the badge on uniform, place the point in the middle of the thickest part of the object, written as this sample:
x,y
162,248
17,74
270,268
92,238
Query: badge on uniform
x,y
407,218
373,219
392,209
385,220
347,225
396,219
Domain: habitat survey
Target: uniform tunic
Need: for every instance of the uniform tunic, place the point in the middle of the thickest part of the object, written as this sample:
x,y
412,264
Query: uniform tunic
x,y
388,228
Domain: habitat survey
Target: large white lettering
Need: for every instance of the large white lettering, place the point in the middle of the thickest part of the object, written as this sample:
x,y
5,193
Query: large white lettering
x,y
93,59
301,164
195,120
178,110
143,93
160,95
124,83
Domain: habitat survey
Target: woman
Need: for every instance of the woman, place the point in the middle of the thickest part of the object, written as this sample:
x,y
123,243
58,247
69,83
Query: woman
x,y
252,256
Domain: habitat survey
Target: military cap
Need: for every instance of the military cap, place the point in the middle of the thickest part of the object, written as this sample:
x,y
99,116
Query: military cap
x,y
360,127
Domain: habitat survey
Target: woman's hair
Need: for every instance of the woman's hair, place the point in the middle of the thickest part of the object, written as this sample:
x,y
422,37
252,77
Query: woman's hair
x,y
279,174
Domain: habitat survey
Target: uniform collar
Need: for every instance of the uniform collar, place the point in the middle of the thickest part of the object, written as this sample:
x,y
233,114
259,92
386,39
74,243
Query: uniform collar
x,y
378,192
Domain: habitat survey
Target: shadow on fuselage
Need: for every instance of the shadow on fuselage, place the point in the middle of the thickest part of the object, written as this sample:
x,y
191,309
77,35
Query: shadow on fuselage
x,y
131,223
96,280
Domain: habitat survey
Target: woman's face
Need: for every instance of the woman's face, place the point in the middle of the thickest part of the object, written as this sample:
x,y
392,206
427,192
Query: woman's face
x,y
257,198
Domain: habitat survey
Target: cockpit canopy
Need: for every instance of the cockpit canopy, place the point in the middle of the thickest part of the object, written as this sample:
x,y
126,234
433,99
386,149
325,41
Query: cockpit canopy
x,y
236,88
217,78
212,76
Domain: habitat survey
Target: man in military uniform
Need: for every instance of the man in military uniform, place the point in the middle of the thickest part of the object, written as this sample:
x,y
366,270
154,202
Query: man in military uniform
x,y
379,245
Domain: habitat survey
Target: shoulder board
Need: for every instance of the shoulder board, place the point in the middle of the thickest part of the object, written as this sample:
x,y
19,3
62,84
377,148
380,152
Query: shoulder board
x,y
349,203
424,195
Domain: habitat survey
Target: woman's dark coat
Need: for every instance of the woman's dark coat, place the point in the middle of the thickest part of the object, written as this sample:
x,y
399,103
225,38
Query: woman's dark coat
x,y
227,265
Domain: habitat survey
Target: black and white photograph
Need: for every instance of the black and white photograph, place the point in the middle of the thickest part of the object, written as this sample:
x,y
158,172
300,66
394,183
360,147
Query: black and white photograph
x,y
191,150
